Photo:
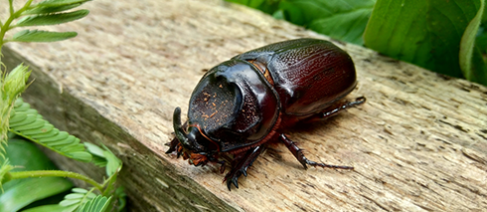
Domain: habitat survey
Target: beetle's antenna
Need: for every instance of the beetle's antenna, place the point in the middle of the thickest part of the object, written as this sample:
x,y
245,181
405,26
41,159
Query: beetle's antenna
x,y
178,130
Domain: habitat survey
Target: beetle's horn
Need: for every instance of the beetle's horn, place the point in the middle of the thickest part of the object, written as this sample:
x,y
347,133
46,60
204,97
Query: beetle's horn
x,y
178,130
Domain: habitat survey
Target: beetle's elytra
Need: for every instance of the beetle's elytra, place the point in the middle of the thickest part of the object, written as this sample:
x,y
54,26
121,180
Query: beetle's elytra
x,y
243,104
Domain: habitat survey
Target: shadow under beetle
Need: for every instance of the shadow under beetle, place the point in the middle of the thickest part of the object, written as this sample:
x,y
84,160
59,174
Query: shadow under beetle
x,y
243,104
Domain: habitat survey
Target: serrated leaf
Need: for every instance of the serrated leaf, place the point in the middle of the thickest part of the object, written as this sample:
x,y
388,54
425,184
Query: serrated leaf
x,y
48,10
41,36
424,32
52,19
57,3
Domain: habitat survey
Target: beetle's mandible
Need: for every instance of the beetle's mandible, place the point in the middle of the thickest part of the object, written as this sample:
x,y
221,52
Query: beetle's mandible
x,y
243,104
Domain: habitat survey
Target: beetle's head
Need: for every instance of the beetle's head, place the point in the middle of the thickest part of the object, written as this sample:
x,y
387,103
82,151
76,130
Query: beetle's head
x,y
232,107
187,142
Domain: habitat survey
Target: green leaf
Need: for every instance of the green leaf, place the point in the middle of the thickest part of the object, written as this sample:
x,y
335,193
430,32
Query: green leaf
x,y
58,3
52,19
97,204
473,67
424,32
11,86
121,195
41,36
97,153
348,26
19,193
46,208
26,122
303,12
344,20
4,173
481,39
31,190
484,16
114,164
48,10
267,6
76,199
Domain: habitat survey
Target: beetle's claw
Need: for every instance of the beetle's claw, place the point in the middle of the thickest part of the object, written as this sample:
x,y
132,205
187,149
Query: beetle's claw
x,y
244,172
232,177
233,181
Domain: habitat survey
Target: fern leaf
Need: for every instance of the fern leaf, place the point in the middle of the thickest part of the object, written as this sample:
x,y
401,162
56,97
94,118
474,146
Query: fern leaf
x,y
97,204
76,199
27,123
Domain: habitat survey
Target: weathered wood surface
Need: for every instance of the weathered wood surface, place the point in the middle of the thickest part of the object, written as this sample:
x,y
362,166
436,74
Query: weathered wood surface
x,y
418,144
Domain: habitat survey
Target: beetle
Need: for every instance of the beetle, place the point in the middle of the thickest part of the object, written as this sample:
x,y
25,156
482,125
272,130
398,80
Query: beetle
x,y
243,104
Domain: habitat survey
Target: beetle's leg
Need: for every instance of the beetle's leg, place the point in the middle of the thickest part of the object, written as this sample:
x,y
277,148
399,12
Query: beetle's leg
x,y
242,162
335,109
298,153
172,145
175,141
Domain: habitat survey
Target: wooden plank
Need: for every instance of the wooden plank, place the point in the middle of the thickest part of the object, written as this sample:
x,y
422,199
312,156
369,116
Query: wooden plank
x,y
418,144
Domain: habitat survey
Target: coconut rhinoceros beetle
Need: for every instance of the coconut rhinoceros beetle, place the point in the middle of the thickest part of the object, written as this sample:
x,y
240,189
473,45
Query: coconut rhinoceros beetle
x,y
242,105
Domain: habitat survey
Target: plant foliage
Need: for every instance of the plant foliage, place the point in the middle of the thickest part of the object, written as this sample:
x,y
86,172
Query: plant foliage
x,y
26,122
445,36
26,175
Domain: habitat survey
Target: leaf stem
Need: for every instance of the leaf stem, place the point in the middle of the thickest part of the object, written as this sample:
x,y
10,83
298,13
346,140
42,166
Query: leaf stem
x,y
55,173
13,15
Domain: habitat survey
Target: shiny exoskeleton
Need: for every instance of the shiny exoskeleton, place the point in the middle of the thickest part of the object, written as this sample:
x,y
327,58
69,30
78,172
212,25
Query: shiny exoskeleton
x,y
241,105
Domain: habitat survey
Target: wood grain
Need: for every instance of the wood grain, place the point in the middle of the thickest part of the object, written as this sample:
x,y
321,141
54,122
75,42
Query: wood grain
x,y
418,144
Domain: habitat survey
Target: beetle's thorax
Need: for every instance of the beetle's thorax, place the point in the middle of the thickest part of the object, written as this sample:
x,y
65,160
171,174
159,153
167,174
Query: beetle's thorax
x,y
234,105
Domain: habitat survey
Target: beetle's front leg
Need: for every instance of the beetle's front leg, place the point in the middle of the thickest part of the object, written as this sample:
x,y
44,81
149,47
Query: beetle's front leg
x,y
298,153
241,163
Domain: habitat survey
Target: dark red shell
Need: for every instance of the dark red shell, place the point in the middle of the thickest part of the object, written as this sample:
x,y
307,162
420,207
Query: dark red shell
x,y
238,102
309,75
